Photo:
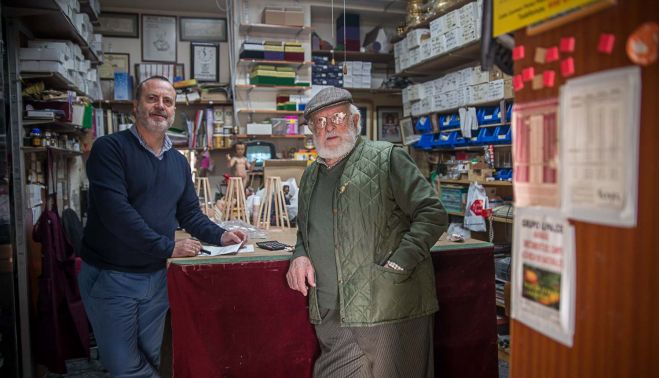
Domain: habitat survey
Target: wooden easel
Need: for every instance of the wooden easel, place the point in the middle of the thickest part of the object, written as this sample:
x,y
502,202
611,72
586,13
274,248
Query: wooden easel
x,y
235,200
273,189
203,188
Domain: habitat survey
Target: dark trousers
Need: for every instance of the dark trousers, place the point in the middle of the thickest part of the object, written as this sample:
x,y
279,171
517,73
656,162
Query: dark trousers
x,y
401,349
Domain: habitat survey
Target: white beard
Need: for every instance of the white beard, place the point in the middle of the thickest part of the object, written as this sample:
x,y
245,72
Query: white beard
x,y
349,140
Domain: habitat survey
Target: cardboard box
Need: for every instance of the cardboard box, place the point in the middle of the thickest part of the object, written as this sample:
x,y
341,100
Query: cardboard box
x,y
480,174
259,129
294,17
274,16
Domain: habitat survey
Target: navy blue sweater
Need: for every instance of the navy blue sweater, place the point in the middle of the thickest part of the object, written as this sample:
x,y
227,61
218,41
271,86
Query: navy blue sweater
x,y
135,204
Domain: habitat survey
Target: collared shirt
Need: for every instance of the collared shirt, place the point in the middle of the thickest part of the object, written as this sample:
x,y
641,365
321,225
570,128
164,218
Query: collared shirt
x,y
166,145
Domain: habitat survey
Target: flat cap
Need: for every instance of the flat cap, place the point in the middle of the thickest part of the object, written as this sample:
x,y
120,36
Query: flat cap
x,y
326,97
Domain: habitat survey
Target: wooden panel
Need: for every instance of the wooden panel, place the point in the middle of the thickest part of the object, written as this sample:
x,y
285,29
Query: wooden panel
x,y
617,303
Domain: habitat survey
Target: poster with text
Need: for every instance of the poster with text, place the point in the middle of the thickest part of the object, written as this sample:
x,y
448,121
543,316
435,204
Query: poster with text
x,y
600,127
535,154
544,282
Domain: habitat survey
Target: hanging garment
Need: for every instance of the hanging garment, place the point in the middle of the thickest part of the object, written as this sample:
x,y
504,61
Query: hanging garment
x,y
62,327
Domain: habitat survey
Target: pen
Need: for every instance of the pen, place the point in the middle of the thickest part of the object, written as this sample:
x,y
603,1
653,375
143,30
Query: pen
x,y
205,251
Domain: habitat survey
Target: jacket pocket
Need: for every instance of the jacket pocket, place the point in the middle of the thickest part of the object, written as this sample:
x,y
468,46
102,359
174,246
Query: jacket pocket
x,y
395,294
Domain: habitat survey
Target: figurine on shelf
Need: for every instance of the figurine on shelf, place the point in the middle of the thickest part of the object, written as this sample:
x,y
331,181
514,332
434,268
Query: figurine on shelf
x,y
238,164
206,164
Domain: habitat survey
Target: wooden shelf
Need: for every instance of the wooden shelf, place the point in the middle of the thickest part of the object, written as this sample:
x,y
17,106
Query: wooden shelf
x,y
252,62
390,91
455,110
48,20
54,80
356,55
56,150
456,213
266,111
426,22
266,28
273,87
243,136
54,125
197,103
503,220
438,65
467,182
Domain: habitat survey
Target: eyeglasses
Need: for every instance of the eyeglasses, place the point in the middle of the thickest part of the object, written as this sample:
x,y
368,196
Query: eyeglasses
x,y
321,122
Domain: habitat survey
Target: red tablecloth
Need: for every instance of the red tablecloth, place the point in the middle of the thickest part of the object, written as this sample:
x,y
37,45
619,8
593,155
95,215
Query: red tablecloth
x,y
239,320
234,318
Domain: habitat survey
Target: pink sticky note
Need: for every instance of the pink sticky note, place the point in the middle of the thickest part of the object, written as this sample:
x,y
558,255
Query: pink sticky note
x,y
567,67
567,44
551,55
518,82
548,78
606,43
528,73
518,52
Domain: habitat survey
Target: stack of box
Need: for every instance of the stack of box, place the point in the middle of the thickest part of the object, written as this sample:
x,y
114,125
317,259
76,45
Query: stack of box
x,y
252,50
273,50
347,25
358,75
469,86
293,51
64,58
283,16
448,32
324,73
271,75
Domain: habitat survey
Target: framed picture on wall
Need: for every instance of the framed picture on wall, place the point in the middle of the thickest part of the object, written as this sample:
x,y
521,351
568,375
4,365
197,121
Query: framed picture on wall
x,y
113,24
366,119
158,38
204,58
114,62
203,29
389,123
407,131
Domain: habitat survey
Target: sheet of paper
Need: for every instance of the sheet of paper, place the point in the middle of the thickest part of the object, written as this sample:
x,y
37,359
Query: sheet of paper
x,y
600,122
228,250
535,147
544,273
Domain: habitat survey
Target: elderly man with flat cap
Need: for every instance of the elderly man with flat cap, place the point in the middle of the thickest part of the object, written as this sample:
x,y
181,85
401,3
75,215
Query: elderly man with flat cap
x,y
367,219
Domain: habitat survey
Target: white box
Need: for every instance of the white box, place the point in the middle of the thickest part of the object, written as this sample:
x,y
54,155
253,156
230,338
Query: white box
x,y
452,19
259,129
405,94
437,45
407,109
415,36
414,92
453,39
476,76
367,67
416,108
29,65
438,26
426,105
415,56
425,49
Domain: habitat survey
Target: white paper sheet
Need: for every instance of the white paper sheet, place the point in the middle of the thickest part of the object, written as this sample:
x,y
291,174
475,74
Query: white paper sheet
x,y
535,151
544,278
228,250
600,121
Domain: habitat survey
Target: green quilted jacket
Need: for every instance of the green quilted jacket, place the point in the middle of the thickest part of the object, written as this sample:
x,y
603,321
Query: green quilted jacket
x,y
371,228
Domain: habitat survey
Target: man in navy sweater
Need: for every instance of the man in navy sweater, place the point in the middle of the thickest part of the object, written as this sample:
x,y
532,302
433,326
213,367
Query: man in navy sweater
x,y
140,190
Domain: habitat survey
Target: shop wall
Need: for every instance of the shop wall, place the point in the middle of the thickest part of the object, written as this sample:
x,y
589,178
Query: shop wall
x,y
133,46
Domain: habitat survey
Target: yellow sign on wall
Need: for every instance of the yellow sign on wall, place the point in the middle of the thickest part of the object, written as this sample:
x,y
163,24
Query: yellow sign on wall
x,y
509,15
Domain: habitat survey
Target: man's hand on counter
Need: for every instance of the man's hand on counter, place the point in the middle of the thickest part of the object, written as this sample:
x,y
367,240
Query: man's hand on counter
x,y
233,237
186,248
299,273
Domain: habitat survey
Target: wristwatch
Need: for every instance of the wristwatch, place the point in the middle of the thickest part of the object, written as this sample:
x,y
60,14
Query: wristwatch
x,y
394,266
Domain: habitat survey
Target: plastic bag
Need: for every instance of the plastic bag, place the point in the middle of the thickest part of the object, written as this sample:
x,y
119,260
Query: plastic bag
x,y
476,211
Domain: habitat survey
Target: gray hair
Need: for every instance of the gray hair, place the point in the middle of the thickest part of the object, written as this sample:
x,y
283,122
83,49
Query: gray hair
x,y
355,111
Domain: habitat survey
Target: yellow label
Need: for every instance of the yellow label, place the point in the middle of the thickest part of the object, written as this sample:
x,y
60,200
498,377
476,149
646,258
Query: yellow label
x,y
510,15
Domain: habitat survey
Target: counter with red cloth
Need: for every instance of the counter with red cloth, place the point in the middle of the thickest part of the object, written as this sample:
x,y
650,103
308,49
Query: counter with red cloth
x,y
234,316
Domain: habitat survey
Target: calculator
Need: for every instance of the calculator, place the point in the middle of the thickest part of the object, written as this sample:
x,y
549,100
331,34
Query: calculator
x,y
273,245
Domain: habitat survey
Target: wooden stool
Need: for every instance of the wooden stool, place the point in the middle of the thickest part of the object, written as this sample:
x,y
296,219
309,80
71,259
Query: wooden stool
x,y
235,200
203,188
273,188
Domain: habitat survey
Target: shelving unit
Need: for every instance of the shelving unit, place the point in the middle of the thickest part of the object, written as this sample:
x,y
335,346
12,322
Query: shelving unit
x,y
268,111
282,29
389,91
48,20
486,183
290,63
56,150
52,80
272,136
295,88
436,66
340,56
54,125
196,103
426,23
